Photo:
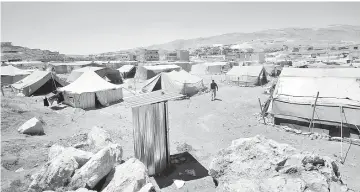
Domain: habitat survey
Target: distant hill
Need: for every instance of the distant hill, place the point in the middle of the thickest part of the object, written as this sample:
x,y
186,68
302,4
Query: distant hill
x,y
10,52
332,35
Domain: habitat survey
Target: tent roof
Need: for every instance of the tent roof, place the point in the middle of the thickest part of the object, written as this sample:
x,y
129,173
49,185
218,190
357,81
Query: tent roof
x,y
183,77
321,72
126,68
216,64
89,82
33,78
246,71
161,67
12,71
84,69
152,97
78,63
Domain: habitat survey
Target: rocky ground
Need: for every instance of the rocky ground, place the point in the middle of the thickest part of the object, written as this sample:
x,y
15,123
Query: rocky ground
x,y
199,129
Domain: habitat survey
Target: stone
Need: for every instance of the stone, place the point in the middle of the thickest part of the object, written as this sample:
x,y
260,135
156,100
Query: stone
x,y
54,151
98,138
54,174
97,167
84,190
147,188
294,185
297,131
338,187
315,181
32,127
130,176
80,156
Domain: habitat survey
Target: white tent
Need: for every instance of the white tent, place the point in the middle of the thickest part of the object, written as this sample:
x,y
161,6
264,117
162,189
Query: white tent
x,y
38,83
296,90
10,74
215,67
127,71
147,72
176,81
90,90
248,75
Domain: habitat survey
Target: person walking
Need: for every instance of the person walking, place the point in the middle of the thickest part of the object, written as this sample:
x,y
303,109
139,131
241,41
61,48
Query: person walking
x,y
214,88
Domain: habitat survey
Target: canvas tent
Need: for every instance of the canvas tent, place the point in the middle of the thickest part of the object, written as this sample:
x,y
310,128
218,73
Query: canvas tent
x,y
10,74
127,71
215,67
147,72
296,90
38,83
61,68
248,75
90,91
176,81
112,75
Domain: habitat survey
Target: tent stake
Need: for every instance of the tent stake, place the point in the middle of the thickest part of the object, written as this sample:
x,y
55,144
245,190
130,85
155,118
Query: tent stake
x,y
312,117
261,110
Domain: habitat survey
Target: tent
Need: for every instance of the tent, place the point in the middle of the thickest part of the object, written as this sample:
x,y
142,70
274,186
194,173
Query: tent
x,y
61,68
38,83
215,67
248,75
175,81
10,74
147,72
272,69
112,75
296,91
90,91
127,71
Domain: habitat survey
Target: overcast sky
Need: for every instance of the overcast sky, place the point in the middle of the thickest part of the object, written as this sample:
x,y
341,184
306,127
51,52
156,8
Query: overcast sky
x,y
90,27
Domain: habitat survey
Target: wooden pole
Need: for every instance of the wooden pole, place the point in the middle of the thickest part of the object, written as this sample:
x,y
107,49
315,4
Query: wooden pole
x,y
261,109
341,131
2,91
312,116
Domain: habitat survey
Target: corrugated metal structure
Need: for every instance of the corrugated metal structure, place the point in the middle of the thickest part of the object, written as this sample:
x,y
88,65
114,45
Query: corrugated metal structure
x,y
150,129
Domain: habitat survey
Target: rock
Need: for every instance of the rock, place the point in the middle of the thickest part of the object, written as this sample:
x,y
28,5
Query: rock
x,y
84,190
297,131
241,185
147,188
130,176
294,185
337,187
19,170
54,151
179,183
313,136
32,127
315,181
97,167
80,145
80,156
306,133
54,174
109,177
98,138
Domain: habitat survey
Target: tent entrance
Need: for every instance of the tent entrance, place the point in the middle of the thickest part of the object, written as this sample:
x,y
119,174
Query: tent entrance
x,y
97,102
47,88
157,85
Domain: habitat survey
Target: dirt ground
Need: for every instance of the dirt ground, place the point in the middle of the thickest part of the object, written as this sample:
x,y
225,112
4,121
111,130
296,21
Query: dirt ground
x,y
197,124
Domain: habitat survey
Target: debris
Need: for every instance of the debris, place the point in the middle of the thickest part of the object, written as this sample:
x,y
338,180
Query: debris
x,y
190,172
32,127
179,183
97,167
98,138
130,176
54,174
19,170
54,151
147,188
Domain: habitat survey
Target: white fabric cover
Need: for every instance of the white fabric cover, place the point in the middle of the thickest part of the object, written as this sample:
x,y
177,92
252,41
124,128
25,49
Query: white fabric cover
x,y
126,68
247,74
89,82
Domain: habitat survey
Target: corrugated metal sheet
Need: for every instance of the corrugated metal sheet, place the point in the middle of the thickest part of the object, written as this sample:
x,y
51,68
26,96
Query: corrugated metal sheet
x,y
149,98
151,136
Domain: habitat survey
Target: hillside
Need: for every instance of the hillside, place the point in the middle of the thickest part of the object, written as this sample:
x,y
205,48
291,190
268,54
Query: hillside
x,y
331,35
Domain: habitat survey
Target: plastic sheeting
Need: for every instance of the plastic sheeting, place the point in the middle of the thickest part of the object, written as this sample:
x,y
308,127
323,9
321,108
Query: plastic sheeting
x,y
151,143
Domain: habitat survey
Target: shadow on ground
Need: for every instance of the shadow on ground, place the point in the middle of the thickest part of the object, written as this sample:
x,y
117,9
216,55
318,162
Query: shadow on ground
x,y
183,167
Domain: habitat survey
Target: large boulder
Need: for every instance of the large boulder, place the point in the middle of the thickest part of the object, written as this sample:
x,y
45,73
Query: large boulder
x,y
130,176
54,151
32,127
98,138
263,165
54,174
97,167
80,156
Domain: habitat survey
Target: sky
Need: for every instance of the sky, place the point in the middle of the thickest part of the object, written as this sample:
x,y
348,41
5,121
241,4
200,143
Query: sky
x,y
97,27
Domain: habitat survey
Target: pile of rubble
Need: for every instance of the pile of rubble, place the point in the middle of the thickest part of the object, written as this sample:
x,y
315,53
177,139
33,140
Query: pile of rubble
x,y
100,169
258,164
